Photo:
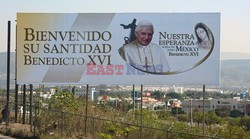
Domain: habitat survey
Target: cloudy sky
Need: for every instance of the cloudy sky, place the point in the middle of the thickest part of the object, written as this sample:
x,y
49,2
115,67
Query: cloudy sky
x,y
235,14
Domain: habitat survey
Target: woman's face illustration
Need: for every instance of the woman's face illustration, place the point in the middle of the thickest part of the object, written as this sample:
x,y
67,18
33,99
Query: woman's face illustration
x,y
201,33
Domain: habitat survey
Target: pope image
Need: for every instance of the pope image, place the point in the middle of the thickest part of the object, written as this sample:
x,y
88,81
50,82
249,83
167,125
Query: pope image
x,y
142,54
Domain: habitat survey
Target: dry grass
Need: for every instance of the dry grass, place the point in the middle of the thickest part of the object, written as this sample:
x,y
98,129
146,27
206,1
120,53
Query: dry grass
x,y
17,130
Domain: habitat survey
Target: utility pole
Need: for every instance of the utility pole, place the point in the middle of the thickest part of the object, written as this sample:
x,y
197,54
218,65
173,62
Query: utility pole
x,y
8,74
203,112
133,101
191,112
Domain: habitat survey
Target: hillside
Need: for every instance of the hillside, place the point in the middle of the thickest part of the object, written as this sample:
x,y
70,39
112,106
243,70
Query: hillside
x,y
3,61
234,56
3,68
235,73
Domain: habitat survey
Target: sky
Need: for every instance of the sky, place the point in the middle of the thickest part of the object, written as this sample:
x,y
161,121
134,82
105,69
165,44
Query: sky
x,y
235,15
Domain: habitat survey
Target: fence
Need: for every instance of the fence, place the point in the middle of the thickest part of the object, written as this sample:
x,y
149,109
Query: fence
x,y
66,124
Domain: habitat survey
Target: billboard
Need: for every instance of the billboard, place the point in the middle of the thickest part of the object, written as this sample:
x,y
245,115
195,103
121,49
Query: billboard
x,y
118,48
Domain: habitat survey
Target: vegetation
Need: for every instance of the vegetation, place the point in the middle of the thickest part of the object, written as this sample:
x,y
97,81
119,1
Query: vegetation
x,y
174,95
64,117
157,95
235,113
223,112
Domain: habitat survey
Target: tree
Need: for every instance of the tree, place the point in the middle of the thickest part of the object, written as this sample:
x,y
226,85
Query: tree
x,y
245,121
212,118
234,121
197,115
173,95
176,110
182,117
157,94
163,115
64,101
123,106
223,112
235,113
232,132
61,107
149,117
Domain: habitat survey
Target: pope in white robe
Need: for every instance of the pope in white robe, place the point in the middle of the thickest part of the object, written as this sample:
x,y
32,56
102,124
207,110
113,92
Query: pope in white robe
x,y
142,54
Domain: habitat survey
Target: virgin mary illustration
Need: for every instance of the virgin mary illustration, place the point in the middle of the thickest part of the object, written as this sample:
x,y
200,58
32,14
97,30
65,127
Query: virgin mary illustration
x,y
204,36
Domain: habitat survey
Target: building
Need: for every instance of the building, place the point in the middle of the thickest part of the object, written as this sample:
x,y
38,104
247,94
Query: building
x,y
81,91
150,103
147,102
108,100
212,104
230,104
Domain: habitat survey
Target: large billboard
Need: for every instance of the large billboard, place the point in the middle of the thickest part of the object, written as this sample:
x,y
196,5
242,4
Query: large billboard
x,y
118,48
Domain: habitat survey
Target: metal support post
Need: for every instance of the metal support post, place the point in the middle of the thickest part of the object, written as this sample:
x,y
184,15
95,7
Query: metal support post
x,y
86,110
31,102
24,103
141,124
133,101
203,112
8,74
16,85
16,102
